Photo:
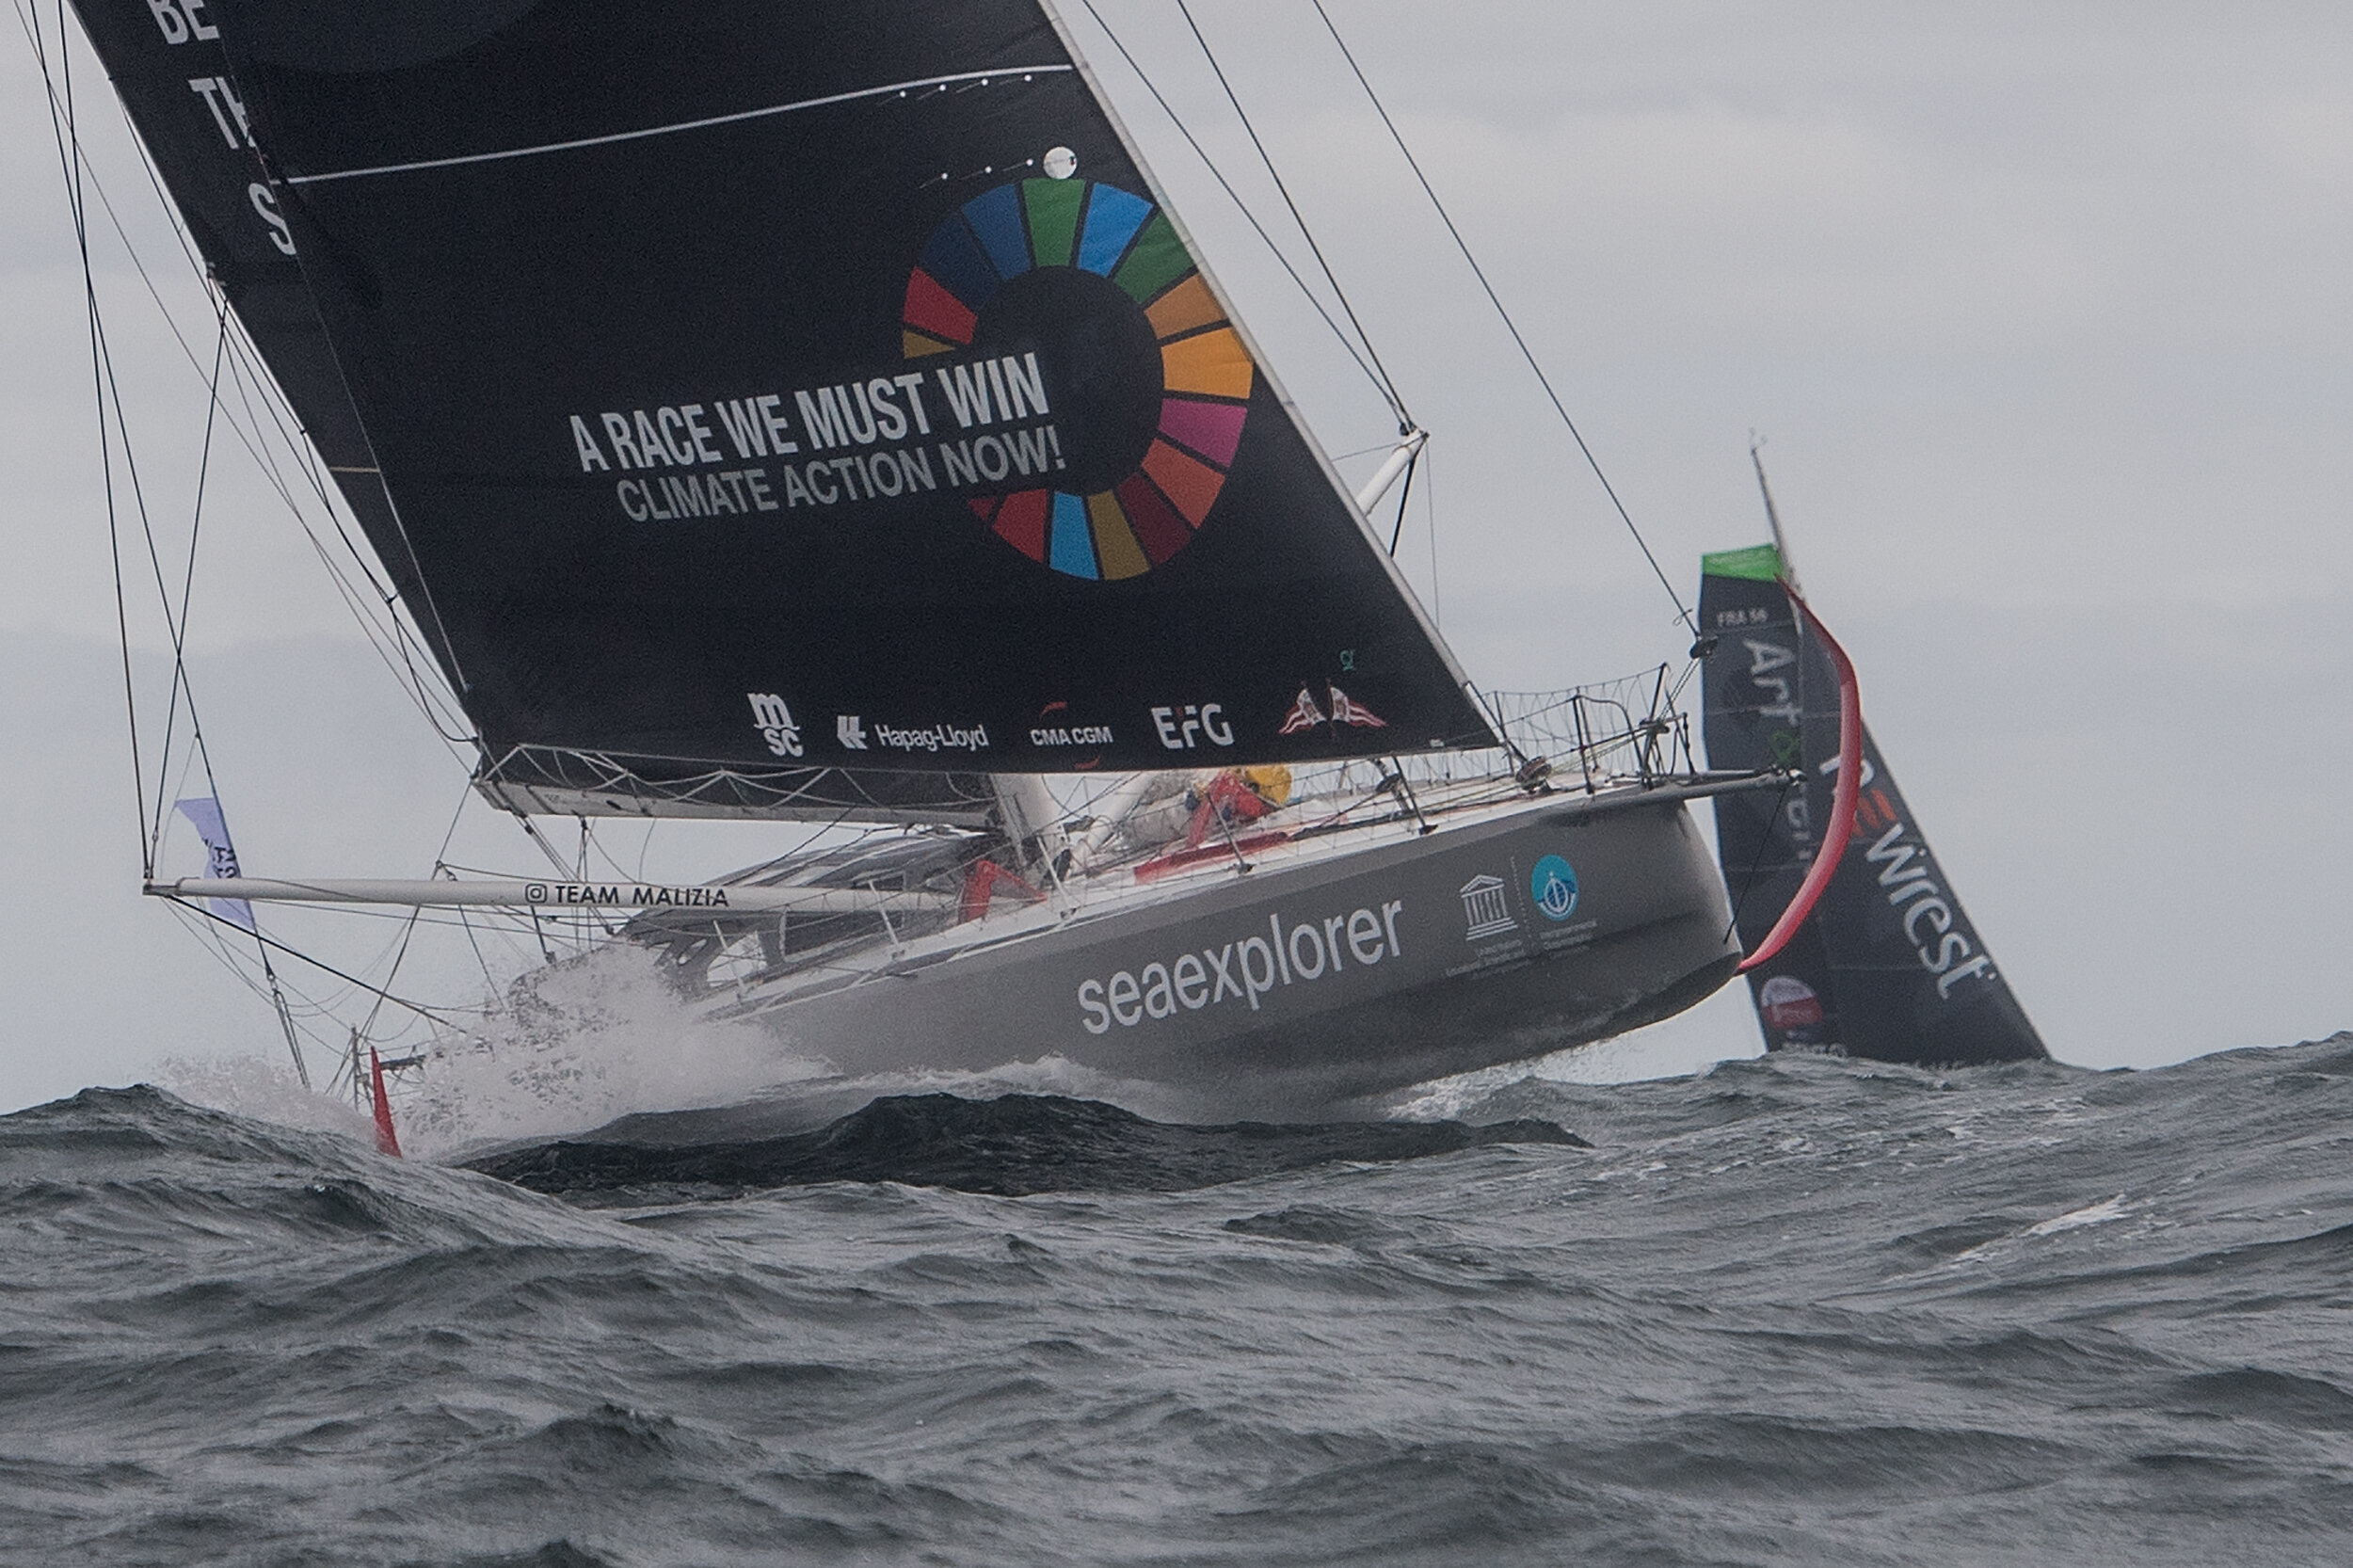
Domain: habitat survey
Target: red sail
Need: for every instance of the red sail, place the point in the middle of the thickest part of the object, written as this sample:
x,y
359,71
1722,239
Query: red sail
x,y
387,1141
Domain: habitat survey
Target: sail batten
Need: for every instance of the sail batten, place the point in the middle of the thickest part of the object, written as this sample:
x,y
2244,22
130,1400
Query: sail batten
x,y
705,123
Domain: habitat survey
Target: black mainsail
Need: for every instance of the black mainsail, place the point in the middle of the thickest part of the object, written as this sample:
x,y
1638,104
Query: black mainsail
x,y
169,66
1889,966
747,388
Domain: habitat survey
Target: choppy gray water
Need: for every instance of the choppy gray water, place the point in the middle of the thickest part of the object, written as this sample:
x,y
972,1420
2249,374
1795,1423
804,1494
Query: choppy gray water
x,y
1787,1312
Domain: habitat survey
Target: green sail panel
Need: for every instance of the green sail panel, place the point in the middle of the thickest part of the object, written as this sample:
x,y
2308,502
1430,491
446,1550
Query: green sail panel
x,y
1054,207
1758,562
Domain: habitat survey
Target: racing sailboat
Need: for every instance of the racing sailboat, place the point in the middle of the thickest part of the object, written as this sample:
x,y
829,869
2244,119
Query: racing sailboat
x,y
819,414
1887,966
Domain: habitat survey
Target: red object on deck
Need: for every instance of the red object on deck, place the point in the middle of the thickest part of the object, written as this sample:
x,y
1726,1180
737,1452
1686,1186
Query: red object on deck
x,y
387,1141
1177,860
984,881
1844,790
1228,802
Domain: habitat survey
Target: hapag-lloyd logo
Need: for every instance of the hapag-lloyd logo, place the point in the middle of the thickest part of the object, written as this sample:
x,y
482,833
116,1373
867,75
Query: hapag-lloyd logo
x,y
935,737
1243,970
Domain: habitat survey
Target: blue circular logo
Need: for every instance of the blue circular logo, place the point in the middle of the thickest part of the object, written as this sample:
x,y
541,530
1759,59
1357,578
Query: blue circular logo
x,y
1553,886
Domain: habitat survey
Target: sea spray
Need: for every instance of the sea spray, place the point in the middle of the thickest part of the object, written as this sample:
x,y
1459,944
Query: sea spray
x,y
566,1047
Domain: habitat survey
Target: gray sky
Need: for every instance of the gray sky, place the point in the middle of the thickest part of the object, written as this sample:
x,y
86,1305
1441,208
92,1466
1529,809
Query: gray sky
x,y
2042,310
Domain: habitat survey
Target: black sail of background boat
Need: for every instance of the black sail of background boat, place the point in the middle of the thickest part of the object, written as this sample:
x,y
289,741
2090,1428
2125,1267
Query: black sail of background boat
x,y
1888,967
822,416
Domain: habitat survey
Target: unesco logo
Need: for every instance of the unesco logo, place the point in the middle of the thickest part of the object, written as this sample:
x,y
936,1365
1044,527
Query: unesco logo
x,y
1553,886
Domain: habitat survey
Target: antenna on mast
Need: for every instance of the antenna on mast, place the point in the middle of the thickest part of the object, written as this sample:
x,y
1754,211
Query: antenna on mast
x,y
1772,514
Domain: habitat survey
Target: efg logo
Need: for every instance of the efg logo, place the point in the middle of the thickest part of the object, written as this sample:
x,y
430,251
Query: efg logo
x,y
1553,886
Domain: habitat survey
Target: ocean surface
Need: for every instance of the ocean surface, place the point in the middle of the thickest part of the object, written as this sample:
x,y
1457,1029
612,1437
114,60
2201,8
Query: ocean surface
x,y
1787,1311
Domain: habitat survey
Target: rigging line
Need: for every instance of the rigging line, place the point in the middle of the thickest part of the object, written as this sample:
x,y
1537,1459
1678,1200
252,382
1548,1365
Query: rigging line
x,y
244,375
1748,882
202,753
384,645
391,508
246,438
1405,499
490,984
410,931
170,321
257,449
1239,205
382,953
187,586
425,589
228,960
252,374
237,971
532,830
1512,326
173,626
1690,668
70,166
397,632
1388,384
406,932
419,1009
1430,520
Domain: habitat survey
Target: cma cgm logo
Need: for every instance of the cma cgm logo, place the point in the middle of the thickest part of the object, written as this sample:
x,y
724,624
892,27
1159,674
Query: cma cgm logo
x,y
1553,886
1180,728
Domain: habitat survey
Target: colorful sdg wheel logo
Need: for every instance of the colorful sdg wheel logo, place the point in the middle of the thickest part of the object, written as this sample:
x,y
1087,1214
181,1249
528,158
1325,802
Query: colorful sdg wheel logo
x,y
1156,381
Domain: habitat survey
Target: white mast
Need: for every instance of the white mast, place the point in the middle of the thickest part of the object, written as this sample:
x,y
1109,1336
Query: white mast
x,y
1407,450
1772,516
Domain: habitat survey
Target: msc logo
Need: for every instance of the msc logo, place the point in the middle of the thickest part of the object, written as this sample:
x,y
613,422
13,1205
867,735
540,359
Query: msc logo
x,y
775,723
1553,886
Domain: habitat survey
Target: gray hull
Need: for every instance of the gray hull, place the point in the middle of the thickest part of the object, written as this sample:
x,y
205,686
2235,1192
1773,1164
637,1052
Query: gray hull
x,y
1334,979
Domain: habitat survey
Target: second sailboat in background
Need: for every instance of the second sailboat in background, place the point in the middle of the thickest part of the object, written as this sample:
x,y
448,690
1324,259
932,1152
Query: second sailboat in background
x,y
1888,967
